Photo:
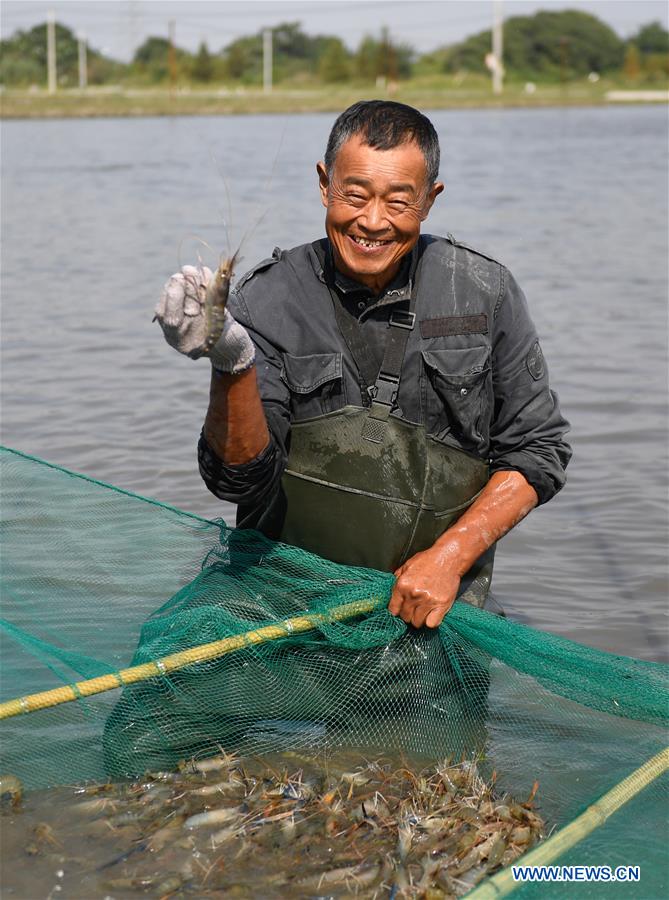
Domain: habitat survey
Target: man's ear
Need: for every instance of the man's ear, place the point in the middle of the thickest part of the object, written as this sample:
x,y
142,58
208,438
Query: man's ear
x,y
434,192
323,182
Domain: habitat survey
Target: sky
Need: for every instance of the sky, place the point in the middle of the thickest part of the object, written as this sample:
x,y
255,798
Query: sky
x,y
118,27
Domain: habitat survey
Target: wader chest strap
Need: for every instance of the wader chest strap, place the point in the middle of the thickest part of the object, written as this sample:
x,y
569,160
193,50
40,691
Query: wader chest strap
x,y
382,386
385,390
368,367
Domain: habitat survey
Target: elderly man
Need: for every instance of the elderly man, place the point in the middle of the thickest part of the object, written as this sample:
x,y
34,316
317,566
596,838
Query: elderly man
x,y
379,396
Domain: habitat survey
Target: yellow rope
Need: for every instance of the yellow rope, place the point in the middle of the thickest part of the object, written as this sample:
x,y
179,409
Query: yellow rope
x,y
174,661
502,884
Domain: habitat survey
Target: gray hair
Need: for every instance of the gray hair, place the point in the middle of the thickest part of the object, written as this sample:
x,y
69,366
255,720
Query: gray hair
x,y
383,125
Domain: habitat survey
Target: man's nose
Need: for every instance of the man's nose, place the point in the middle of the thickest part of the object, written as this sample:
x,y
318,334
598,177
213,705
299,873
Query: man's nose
x,y
374,218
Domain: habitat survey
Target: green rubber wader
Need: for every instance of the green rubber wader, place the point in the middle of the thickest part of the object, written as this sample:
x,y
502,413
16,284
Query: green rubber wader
x,y
364,503
418,696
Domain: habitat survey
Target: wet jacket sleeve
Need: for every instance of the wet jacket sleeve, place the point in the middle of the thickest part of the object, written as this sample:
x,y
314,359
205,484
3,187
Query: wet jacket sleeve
x,y
254,484
527,430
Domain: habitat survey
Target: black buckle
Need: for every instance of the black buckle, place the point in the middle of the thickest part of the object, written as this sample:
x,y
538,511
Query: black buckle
x,y
409,319
386,389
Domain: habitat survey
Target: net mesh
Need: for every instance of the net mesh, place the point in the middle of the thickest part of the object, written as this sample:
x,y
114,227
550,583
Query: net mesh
x,y
87,570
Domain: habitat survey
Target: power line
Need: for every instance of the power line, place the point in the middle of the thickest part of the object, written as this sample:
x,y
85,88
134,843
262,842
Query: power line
x,y
125,26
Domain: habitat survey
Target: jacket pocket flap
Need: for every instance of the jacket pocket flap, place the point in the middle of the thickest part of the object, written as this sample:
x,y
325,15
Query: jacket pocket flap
x,y
304,374
459,365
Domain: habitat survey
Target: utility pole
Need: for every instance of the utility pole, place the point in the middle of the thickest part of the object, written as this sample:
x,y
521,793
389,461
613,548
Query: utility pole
x,y
83,62
497,47
51,51
267,60
389,61
564,47
172,57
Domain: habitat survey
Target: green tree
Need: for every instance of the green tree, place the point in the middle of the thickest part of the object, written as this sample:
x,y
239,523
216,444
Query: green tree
x,y
152,52
236,61
291,42
335,62
295,55
243,59
203,65
651,45
23,59
652,38
383,58
632,64
404,59
539,45
431,63
151,58
298,55
367,59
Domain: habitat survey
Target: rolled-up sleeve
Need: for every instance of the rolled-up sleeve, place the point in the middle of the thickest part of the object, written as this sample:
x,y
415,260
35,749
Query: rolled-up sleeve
x,y
254,485
527,429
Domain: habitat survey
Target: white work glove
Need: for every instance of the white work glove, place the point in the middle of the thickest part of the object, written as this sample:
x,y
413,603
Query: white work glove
x,y
182,316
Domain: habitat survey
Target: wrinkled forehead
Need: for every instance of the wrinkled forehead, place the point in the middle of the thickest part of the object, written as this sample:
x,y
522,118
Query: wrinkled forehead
x,y
403,165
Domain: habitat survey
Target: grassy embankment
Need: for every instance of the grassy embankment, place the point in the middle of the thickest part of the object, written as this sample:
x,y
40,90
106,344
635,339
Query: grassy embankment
x,y
443,93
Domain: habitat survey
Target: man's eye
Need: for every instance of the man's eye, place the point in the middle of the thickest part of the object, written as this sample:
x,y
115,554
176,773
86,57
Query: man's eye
x,y
399,204
358,198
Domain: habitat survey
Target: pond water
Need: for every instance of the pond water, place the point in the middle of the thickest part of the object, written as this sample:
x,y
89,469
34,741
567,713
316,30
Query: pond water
x,y
98,213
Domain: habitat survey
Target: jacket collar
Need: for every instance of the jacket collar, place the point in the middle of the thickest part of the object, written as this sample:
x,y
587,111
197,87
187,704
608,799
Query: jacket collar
x,y
397,290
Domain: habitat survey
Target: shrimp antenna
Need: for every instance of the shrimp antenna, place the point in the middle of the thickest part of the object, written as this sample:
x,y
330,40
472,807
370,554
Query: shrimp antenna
x,y
198,240
265,190
227,222
272,171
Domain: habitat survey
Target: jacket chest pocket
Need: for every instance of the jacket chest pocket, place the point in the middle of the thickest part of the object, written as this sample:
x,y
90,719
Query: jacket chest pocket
x,y
458,395
315,382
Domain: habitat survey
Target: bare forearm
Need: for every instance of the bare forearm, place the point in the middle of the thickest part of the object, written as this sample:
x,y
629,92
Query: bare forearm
x,y
427,584
505,500
235,426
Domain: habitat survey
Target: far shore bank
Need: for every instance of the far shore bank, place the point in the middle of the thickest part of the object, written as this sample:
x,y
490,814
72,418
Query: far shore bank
x,y
117,102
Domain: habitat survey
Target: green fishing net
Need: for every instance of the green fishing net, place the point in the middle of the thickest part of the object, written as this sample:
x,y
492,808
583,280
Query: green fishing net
x,y
96,580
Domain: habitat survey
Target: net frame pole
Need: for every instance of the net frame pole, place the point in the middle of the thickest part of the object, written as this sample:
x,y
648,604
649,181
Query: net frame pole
x,y
502,884
175,661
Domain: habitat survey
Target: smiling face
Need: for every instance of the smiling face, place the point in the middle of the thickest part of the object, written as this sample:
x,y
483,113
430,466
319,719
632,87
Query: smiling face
x,y
375,201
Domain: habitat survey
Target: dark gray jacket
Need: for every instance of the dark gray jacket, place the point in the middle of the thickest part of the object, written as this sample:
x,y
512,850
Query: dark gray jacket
x,y
473,374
